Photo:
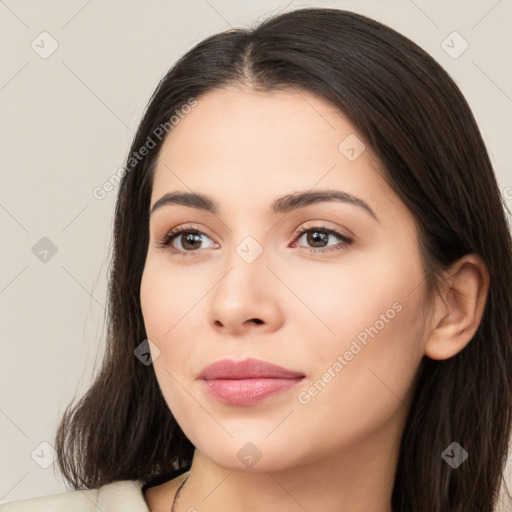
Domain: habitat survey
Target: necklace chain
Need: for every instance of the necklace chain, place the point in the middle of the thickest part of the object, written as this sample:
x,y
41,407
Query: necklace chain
x,y
177,495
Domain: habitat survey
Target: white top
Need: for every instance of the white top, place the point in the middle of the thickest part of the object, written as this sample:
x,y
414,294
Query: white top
x,y
121,496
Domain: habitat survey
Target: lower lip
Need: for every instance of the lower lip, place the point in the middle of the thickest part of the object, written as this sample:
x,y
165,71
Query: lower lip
x,y
247,391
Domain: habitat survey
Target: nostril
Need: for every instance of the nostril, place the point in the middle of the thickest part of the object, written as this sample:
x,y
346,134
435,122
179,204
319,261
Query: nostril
x,y
257,320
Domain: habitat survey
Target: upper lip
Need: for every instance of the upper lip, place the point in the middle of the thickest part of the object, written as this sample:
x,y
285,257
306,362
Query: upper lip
x,y
246,369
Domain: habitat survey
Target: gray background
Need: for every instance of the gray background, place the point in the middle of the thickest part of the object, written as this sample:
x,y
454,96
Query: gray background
x,y
67,120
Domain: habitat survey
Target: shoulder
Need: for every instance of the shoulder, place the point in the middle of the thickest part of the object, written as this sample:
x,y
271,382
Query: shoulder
x,y
124,495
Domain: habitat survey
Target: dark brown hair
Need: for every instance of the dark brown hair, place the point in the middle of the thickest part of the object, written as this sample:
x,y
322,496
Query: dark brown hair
x,y
418,124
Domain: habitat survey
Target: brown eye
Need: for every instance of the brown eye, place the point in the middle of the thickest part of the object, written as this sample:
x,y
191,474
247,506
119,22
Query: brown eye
x,y
318,238
189,240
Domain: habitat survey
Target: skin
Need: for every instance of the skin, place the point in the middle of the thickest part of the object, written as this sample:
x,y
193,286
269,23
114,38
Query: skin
x,y
339,451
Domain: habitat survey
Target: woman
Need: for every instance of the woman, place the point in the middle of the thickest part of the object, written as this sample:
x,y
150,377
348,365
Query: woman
x,y
310,291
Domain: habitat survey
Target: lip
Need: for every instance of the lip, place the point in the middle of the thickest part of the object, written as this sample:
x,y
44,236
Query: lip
x,y
246,382
246,369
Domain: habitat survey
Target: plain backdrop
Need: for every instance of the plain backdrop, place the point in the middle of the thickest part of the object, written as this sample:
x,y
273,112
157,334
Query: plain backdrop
x,y
75,77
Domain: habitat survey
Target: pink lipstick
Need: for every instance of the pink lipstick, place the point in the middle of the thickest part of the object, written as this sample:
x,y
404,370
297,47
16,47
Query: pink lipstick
x,y
246,382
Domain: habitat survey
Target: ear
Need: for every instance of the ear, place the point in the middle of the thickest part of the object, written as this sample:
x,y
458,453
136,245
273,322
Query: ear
x,y
459,307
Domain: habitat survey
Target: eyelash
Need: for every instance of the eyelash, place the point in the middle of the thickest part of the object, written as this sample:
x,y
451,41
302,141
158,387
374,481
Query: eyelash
x,y
165,242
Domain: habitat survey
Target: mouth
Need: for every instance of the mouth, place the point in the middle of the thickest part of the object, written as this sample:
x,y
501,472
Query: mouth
x,y
247,382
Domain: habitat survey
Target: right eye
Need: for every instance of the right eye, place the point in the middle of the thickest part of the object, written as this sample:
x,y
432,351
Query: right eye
x,y
189,239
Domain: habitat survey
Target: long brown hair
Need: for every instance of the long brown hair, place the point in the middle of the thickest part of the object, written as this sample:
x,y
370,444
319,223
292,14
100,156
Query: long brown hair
x,y
419,125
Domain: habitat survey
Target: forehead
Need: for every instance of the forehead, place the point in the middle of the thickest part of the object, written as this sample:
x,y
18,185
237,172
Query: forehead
x,y
237,121
245,147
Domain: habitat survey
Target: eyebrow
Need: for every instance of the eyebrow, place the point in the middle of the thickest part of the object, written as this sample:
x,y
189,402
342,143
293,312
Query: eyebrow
x,y
281,205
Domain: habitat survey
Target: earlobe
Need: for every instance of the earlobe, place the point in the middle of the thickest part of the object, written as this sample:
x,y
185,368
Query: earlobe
x,y
459,308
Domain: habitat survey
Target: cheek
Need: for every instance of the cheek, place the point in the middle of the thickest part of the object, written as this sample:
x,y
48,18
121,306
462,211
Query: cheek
x,y
164,304
337,301
365,329
174,312
362,373
167,295
154,295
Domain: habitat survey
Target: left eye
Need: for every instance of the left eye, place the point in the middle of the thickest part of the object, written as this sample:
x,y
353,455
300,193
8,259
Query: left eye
x,y
320,235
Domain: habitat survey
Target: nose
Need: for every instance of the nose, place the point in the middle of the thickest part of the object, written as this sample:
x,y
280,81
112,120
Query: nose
x,y
246,300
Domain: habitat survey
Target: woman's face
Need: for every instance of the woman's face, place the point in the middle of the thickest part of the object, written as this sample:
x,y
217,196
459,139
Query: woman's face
x,y
346,312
